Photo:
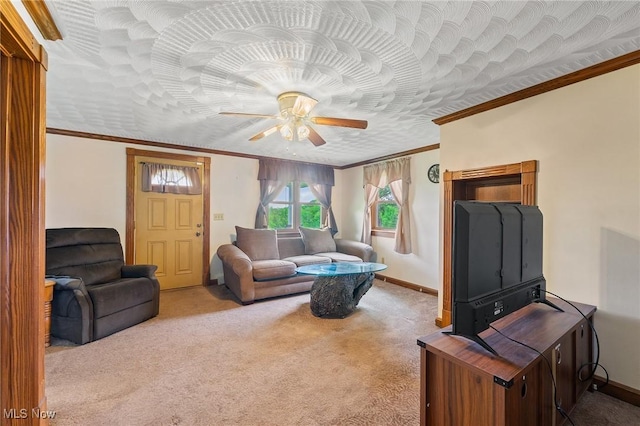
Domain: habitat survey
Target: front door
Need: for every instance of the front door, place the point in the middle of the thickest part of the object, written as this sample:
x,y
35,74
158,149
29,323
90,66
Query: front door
x,y
169,231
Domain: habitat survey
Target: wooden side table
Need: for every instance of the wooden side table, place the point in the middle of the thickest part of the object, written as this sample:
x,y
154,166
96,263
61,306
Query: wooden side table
x,y
48,297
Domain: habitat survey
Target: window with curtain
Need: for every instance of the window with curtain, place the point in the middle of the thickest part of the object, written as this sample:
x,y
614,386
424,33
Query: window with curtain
x,y
169,178
295,206
293,195
396,176
384,213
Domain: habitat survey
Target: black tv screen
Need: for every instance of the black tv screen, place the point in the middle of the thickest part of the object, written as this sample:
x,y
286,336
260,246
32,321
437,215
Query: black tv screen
x,y
497,263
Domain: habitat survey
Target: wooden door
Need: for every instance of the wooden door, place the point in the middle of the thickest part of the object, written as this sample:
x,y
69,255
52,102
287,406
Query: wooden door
x,y
169,232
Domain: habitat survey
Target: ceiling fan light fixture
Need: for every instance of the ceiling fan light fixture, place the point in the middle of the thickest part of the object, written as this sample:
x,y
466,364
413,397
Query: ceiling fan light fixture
x,y
287,131
296,122
303,132
296,103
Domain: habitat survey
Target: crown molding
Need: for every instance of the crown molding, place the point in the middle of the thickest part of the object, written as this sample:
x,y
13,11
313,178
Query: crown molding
x,y
614,64
43,19
76,134
392,156
17,39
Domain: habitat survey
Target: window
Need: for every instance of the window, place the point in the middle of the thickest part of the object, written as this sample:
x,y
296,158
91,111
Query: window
x,y
171,177
384,213
295,206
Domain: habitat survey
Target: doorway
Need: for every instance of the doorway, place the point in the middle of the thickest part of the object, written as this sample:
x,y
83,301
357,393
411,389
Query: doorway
x,y
509,182
167,229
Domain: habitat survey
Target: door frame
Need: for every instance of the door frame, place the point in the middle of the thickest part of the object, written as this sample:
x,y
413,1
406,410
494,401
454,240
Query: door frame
x,y
23,67
132,153
455,189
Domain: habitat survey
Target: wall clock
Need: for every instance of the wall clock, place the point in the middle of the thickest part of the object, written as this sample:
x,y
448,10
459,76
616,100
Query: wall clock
x,y
434,173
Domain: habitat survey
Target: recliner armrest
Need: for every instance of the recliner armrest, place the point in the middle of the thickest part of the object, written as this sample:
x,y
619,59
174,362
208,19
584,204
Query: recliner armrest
x,y
67,283
72,296
139,271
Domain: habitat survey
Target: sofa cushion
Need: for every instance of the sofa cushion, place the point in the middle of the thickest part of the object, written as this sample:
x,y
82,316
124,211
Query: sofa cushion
x,y
308,259
340,257
289,247
258,244
317,240
272,269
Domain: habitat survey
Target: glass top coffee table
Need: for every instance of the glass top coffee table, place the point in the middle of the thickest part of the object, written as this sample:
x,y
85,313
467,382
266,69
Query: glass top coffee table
x,y
338,287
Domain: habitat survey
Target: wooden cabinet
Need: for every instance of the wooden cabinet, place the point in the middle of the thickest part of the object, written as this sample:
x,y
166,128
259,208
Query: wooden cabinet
x,y
463,384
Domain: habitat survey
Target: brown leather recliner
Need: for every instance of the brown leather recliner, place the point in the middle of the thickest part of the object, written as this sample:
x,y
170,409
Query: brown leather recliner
x,y
96,294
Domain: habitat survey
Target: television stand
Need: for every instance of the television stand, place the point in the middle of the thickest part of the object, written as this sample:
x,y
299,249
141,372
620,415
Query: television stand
x,y
479,340
461,384
553,305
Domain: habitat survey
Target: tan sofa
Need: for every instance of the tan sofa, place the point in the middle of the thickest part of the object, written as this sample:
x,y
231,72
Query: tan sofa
x,y
259,265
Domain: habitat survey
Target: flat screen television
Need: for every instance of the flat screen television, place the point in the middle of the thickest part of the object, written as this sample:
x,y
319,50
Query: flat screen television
x,y
497,264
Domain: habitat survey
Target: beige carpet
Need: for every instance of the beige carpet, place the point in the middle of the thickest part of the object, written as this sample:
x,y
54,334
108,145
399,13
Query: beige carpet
x,y
206,360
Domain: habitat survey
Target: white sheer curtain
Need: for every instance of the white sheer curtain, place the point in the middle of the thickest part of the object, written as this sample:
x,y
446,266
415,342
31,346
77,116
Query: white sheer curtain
x,y
169,178
396,174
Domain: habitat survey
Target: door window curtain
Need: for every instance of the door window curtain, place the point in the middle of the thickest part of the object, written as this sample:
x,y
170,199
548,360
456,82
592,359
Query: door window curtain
x,y
396,174
274,175
169,178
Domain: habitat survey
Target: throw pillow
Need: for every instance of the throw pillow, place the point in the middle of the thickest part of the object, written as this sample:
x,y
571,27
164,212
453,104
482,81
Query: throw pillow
x,y
258,244
317,240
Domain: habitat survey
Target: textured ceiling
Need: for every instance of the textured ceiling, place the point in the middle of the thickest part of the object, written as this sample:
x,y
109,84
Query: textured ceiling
x,y
162,70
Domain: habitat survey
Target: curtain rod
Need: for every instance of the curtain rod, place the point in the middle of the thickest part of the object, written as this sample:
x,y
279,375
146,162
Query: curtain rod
x,y
165,164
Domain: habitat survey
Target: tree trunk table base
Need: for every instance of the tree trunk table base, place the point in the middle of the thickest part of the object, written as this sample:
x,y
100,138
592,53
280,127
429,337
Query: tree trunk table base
x,y
337,296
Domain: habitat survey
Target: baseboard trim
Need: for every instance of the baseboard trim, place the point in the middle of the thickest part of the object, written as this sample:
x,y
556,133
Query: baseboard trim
x,y
618,391
407,284
212,281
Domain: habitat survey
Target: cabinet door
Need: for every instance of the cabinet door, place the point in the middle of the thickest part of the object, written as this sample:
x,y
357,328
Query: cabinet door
x,y
527,400
456,395
563,361
584,356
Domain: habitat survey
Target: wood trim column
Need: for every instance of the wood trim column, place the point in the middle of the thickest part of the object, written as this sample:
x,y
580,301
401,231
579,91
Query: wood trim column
x,y
446,251
527,171
22,116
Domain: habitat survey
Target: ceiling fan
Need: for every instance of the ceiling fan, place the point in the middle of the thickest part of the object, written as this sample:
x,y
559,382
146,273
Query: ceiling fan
x,y
295,122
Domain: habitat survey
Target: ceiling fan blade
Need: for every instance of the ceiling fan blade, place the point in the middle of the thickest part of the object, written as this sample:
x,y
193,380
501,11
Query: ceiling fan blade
x,y
244,114
314,137
267,132
303,106
341,122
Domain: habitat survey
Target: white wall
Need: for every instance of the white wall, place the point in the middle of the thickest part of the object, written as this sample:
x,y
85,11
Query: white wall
x,y
85,183
586,138
420,267
86,186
